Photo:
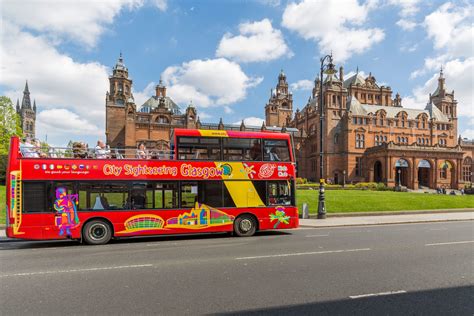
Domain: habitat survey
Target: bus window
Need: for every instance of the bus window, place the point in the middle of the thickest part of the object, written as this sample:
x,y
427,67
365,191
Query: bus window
x,y
276,150
53,192
166,195
34,197
142,196
242,149
261,190
279,193
210,193
199,148
103,196
189,194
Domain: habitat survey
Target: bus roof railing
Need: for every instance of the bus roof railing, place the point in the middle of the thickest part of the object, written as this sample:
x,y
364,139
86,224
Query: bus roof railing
x,y
93,153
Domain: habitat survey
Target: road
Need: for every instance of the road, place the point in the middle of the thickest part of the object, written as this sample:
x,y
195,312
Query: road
x,y
394,269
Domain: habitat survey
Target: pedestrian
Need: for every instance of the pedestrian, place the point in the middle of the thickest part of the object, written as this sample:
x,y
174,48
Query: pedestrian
x,y
462,191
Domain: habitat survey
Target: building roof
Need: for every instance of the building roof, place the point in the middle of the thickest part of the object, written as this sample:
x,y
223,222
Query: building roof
x,y
354,79
153,103
358,108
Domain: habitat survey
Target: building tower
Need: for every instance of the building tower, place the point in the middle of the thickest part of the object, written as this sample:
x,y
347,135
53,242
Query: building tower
x,y
119,101
27,113
279,109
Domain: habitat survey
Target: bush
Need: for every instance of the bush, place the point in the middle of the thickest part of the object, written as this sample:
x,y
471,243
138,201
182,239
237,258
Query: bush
x,y
301,180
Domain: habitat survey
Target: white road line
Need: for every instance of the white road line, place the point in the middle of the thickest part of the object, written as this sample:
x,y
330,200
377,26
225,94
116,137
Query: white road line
x,y
308,236
302,253
451,243
377,294
76,270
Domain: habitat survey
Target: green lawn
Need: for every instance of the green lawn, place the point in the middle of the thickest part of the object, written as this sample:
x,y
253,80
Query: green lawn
x,y
340,201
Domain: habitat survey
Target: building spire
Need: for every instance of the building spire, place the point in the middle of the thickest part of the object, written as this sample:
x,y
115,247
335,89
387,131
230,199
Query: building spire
x,y
26,87
26,102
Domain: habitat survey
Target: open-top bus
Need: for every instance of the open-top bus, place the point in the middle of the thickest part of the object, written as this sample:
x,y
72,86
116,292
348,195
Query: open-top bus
x,y
213,181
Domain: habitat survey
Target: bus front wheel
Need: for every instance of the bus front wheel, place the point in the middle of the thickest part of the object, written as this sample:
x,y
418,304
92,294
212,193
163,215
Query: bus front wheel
x,y
96,232
245,225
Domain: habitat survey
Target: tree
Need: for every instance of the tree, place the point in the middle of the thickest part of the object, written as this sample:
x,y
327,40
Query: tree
x,y
10,124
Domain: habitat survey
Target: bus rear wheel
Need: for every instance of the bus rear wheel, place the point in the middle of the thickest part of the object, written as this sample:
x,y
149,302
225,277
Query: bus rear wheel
x,y
97,232
245,225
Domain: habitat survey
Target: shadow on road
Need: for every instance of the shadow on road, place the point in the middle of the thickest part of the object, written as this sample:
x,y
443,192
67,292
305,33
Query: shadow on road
x,y
29,244
447,301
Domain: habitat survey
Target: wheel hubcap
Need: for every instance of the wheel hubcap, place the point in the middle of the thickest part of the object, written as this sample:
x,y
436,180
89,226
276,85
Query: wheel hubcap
x,y
245,225
98,231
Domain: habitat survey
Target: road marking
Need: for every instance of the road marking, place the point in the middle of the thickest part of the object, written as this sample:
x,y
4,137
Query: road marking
x,y
317,235
451,243
76,270
438,229
303,253
377,294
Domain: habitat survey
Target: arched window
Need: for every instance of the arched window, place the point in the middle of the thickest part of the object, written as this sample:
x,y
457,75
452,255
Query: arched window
x,y
377,140
467,169
162,120
336,138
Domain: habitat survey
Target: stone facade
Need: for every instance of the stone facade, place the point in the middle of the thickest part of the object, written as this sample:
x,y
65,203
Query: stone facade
x,y
27,113
151,123
369,136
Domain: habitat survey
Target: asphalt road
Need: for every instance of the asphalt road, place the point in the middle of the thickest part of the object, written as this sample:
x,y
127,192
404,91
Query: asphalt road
x,y
373,270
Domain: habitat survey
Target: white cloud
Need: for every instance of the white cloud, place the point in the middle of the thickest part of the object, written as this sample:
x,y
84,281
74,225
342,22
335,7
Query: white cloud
x,y
467,133
407,11
335,27
55,80
407,25
210,82
251,121
302,85
81,20
161,4
257,41
458,76
142,96
451,29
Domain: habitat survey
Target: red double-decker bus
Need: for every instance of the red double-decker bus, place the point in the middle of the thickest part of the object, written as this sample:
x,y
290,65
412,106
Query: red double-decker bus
x,y
211,181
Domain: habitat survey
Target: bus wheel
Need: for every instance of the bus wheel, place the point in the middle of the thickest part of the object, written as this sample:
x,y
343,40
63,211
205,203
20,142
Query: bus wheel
x,y
245,225
96,232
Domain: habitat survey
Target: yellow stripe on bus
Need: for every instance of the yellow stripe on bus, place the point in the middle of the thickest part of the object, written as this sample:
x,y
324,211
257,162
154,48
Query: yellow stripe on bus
x,y
213,133
243,192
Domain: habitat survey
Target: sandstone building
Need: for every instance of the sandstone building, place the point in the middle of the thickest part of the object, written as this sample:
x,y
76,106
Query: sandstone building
x,y
369,136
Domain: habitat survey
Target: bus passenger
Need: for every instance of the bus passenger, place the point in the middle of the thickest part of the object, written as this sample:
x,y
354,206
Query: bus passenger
x,y
256,151
101,152
142,153
27,149
37,148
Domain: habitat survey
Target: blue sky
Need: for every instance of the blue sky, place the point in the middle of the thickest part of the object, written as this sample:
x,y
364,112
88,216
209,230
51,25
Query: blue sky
x,y
225,56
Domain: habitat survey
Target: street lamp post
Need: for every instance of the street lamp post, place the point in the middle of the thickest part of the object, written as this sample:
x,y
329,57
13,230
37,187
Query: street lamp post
x,y
327,67
344,178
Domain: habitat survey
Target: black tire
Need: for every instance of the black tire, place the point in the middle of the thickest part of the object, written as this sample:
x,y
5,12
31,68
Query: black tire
x,y
245,225
97,232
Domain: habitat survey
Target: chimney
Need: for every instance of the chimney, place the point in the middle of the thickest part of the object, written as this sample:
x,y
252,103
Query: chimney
x,y
341,73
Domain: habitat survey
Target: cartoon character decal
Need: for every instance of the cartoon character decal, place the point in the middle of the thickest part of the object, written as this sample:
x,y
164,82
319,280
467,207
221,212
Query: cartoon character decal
x,y
66,211
279,216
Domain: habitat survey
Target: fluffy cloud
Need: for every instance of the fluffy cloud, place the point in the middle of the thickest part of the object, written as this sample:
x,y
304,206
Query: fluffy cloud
x,y
55,80
257,41
302,85
458,76
61,122
335,27
210,82
251,121
407,11
451,29
83,20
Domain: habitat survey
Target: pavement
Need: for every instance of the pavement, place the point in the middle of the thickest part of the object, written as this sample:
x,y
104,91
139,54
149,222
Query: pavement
x,y
386,219
406,269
